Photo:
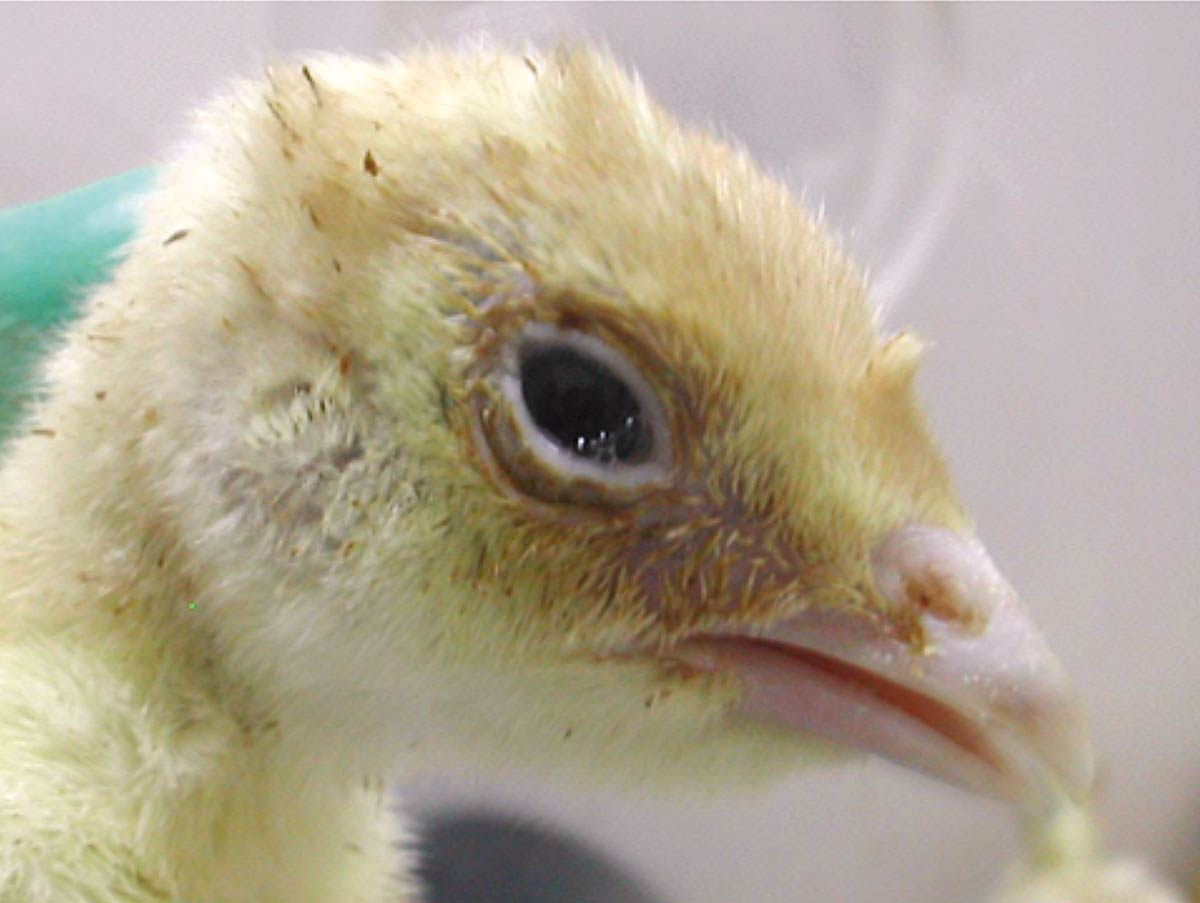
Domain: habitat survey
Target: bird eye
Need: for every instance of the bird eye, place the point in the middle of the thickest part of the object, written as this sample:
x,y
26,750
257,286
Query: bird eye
x,y
583,406
577,409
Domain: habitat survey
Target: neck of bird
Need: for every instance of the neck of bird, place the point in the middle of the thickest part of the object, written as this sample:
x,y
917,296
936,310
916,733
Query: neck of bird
x,y
87,563
248,797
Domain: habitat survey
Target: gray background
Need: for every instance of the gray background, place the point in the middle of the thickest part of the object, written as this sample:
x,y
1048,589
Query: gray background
x,y
1024,183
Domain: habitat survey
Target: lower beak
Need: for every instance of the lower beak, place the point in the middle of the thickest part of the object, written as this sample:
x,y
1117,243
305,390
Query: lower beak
x,y
954,680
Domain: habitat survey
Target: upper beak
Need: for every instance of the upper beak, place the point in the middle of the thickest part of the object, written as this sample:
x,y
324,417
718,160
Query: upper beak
x,y
953,680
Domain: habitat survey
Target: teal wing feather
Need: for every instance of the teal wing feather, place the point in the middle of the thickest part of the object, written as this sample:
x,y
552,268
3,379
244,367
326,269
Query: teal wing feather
x,y
50,252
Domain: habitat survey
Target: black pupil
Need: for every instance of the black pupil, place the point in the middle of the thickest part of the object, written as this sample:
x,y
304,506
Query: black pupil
x,y
583,406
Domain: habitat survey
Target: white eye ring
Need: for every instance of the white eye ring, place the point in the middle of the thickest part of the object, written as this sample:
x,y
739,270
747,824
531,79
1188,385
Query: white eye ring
x,y
650,468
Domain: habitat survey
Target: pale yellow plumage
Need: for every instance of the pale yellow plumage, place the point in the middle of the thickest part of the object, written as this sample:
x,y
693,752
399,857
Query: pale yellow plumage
x,y
270,537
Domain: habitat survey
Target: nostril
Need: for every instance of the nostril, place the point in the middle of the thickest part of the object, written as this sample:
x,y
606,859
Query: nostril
x,y
934,594
938,574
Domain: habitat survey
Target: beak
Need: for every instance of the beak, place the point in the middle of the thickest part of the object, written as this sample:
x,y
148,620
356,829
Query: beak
x,y
953,680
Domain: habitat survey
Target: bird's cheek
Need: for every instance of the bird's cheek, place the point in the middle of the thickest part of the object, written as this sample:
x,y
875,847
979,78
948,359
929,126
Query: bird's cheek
x,y
710,566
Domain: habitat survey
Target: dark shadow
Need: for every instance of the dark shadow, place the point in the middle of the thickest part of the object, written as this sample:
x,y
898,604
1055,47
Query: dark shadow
x,y
479,857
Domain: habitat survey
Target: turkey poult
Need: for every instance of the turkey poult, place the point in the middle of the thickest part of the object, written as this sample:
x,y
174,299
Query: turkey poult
x,y
467,405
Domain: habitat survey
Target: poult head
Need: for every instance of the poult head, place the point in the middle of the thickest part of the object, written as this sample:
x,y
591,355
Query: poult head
x,y
497,411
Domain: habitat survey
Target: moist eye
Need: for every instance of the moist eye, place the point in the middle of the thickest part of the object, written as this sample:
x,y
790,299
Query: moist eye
x,y
568,417
583,407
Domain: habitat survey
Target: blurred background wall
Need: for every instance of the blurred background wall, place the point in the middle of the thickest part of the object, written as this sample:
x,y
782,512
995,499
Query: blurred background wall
x,y
1024,184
